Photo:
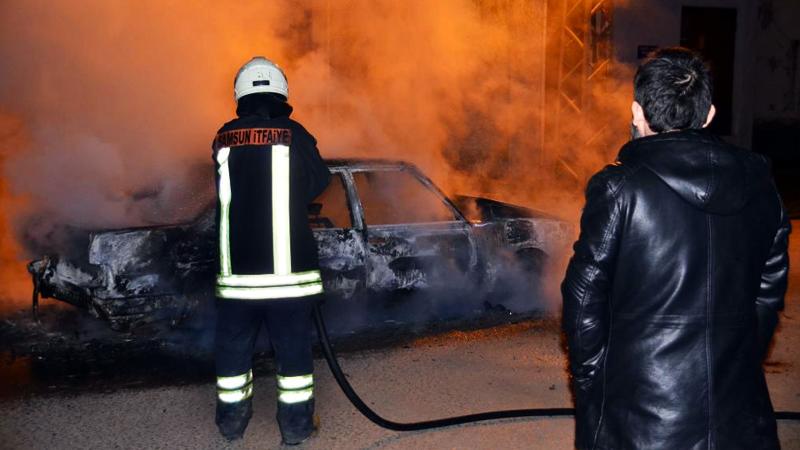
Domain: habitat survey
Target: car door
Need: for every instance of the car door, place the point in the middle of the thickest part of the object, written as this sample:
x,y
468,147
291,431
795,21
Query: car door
x,y
415,239
339,238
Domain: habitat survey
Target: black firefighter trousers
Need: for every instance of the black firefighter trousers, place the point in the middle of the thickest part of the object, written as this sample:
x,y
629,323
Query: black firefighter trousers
x,y
288,323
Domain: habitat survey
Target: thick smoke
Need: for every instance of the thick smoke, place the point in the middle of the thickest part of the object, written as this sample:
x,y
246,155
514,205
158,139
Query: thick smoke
x,y
109,107
13,277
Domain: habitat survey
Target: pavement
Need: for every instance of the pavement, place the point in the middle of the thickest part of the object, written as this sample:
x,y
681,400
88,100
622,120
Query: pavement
x,y
458,372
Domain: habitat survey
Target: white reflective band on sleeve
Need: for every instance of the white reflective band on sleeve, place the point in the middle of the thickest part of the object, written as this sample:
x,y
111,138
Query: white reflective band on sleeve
x,y
303,381
236,395
281,237
295,396
235,382
224,211
260,293
269,279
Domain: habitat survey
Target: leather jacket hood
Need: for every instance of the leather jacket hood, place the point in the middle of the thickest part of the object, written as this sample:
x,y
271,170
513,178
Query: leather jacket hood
x,y
702,169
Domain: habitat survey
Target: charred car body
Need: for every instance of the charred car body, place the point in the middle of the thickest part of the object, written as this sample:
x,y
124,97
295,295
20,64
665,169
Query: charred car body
x,y
385,234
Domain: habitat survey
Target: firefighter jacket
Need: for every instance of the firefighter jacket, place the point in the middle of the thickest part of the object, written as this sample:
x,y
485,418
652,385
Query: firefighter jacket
x,y
672,297
268,171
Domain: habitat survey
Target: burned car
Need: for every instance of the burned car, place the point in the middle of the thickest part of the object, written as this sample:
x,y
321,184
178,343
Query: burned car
x,y
389,242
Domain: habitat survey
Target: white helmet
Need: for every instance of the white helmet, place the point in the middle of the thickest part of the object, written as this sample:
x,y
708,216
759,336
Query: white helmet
x,y
260,75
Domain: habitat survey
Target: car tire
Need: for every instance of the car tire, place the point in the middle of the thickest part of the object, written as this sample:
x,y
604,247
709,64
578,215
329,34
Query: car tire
x,y
519,283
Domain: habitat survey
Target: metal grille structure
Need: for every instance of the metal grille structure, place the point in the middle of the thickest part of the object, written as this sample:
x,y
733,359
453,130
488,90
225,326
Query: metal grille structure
x,y
581,48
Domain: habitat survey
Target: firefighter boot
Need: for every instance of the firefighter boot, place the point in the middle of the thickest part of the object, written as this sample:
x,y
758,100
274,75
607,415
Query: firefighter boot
x,y
297,421
232,418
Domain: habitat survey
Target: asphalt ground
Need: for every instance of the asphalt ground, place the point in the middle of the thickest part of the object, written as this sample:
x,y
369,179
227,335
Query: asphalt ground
x,y
453,373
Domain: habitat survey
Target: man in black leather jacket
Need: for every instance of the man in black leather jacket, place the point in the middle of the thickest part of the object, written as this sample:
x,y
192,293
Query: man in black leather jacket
x,y
673,293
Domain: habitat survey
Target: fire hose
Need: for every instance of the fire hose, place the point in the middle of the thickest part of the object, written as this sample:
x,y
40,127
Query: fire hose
x,y
370,414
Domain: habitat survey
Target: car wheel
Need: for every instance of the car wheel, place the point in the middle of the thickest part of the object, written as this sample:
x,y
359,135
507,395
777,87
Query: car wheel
x,y
532,261
518,284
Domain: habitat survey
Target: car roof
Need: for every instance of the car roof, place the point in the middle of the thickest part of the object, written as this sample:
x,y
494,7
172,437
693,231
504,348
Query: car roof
x,y
367,163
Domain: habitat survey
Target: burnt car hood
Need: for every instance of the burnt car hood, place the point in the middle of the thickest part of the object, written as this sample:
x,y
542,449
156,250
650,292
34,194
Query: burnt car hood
x,y
485,209
146,268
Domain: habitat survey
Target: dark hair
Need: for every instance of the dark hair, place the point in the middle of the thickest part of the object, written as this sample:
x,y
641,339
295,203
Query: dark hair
x,y
673,86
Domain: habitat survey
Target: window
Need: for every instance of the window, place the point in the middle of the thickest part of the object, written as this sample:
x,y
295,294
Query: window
x,y
330,209
397,197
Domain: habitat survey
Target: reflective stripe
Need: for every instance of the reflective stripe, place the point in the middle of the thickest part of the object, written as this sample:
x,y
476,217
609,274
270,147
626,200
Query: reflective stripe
x,y
295,389
281,238
269,279
224,211
289,397
259,293
235,395
303,381
235,382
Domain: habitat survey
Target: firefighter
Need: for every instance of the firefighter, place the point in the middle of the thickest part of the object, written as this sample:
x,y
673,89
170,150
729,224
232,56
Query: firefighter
x,y
268,171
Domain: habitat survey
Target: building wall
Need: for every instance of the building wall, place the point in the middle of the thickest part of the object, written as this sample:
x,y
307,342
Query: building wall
x,y
658,22
777,75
